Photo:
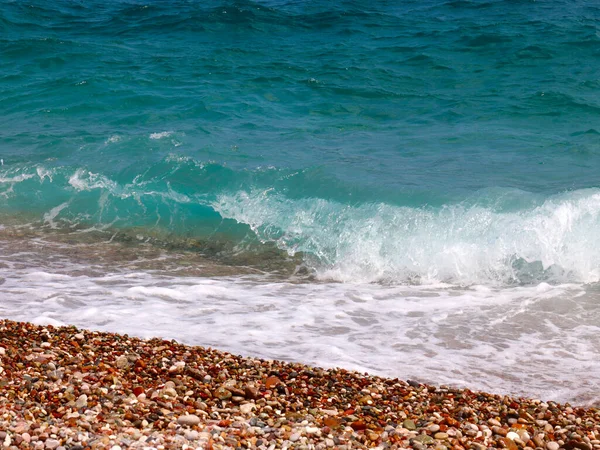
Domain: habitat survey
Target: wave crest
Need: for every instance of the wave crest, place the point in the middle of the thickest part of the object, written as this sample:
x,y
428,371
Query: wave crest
x,y
465,244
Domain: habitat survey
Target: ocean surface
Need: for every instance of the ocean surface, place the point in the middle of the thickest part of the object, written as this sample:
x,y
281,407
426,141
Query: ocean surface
x,y
407,188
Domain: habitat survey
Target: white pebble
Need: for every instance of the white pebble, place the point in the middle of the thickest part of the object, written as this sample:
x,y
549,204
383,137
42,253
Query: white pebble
x,y
191,435
247,408
512,435
524,436
51,444
190,420
81,401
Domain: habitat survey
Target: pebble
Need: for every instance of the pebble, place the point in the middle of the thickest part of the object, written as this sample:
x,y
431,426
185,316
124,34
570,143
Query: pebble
x,y
295,437
188,420
512,435
191,435
99,402
223,394
539,440
524,435
424,439
51,444
409,424
122,362
81,401
247,408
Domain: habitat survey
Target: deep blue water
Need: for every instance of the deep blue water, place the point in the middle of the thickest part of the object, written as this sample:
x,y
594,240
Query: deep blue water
x,y
413,141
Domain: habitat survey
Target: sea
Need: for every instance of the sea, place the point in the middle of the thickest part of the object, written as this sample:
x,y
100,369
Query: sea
x,y
406,188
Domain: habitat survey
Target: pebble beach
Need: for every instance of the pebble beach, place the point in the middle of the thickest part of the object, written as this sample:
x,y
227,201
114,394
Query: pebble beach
x,y
67,388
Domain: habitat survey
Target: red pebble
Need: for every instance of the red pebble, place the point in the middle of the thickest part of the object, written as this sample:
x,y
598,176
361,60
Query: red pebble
x,y
332,422
272,381
358,425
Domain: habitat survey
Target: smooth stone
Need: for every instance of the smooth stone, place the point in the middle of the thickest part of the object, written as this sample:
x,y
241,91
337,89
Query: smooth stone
x,y
441,436
81,401
538,440
191,435
508,443
524,435
169,392
247,408
434,428
512,435
500,431
52,444
552,445
295,437
190,420
372,435
222,393
409,424
122,362
424,439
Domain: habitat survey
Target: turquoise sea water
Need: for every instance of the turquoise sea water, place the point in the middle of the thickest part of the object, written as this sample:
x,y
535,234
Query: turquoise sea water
x,y
395,144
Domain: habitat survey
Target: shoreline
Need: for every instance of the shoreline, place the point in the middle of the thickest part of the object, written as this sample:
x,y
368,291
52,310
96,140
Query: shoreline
x,y
70,388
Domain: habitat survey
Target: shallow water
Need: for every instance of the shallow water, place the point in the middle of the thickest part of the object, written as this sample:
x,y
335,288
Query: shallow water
x,y
531,341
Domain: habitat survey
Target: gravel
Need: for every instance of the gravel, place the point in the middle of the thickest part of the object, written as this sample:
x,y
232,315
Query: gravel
x,y
66,388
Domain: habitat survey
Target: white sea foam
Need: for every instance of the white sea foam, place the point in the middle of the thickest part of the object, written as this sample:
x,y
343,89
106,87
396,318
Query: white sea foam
x,y
83,180
113,139
161,135
463,244
8,182
16,178
532,340
50,216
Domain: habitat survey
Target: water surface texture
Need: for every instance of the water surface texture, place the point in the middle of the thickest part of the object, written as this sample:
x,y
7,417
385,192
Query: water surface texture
x,y
406,188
